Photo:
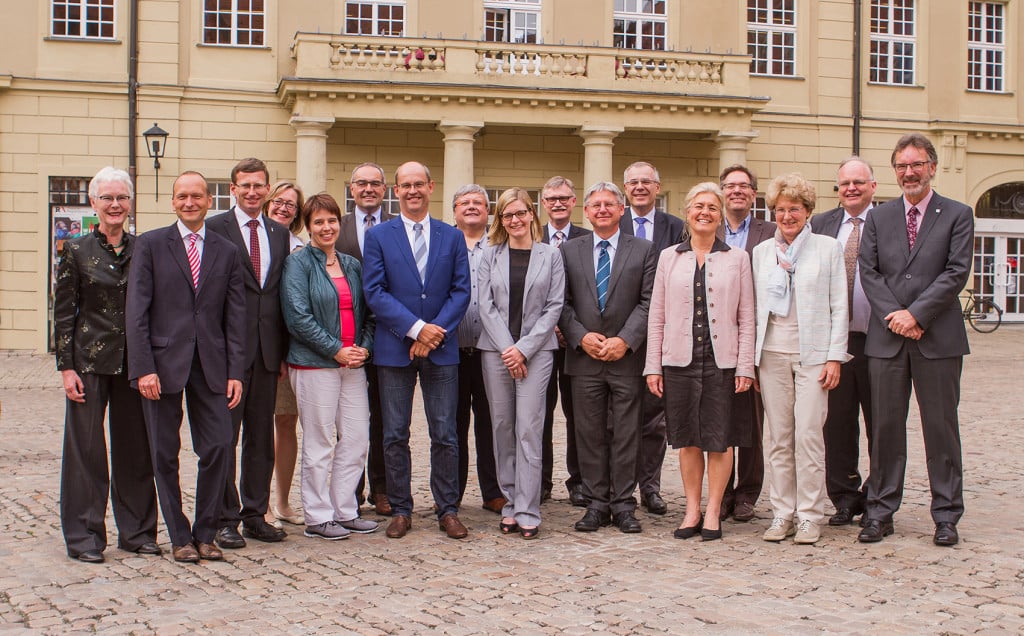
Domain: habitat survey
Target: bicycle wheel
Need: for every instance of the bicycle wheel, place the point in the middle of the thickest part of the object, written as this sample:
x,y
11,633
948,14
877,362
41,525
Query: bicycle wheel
x,y
985,316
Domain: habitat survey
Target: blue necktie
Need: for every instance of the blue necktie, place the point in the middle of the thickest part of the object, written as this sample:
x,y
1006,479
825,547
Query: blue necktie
x,y
604,272
420,250
641,231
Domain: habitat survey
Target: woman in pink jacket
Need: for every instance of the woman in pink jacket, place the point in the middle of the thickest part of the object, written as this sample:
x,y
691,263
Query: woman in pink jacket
x,y
700,350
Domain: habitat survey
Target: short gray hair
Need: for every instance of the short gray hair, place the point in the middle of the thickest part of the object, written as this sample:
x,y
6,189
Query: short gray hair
x,y
472,188
604,186
110,174
706,187
368,164
641,164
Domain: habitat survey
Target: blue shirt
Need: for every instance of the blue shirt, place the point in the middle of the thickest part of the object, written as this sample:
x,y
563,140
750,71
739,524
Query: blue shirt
x,y
738,238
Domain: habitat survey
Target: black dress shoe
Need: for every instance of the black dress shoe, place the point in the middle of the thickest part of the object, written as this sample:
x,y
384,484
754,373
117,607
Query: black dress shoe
x,y
89,556
263,531
150,547
626,521
726,511
592,520
689,531
843,517
710,535
577,498
946,534
229,539
654,504
874,531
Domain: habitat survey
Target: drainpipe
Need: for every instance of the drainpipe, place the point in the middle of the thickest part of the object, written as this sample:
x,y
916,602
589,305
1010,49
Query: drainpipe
x,y
133,100
856,75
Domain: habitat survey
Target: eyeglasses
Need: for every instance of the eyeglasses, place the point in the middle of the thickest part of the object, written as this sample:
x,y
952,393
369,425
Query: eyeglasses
x,y
508,216
916,166
108,199
602,205
732,187
245,187
404,187
553,200
363,183
857,184
632,183
794,211
287,205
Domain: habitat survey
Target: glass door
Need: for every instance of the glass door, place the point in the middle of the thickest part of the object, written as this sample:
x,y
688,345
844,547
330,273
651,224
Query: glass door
x,y
998,275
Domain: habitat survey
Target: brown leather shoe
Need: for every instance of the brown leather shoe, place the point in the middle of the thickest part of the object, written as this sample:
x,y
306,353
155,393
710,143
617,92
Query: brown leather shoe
x,y
452,526
495,505
400,524
209,551
381,505
185,553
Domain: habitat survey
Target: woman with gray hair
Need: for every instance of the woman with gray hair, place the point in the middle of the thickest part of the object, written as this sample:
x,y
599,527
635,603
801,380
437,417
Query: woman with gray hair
x,y
700,351
800,285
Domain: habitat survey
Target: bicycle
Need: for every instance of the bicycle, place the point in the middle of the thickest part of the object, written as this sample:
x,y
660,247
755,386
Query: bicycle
x,y
982,314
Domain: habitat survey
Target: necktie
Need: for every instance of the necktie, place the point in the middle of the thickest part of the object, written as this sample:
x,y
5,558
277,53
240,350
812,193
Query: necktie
x,y
912,226
368,222
193,258
850,256
420,250
559,238
254,246
604,272
641,231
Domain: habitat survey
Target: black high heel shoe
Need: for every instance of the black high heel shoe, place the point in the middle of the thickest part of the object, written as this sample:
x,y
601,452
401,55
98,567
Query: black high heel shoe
x,y
529,533
710,535
508,528
689,531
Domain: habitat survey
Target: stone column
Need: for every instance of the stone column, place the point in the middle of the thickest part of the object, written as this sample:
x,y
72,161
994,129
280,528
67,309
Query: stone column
x,y
732,147
458,159
598,142
311,152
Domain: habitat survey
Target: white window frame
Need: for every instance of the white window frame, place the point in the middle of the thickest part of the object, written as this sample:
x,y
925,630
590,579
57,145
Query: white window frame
x,y
521,21
645,21
220,192
986,47
771,37
887,47
237,15
375,19
84,7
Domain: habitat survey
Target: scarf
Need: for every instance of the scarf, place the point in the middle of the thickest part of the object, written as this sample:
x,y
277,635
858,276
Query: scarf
x,y
780,279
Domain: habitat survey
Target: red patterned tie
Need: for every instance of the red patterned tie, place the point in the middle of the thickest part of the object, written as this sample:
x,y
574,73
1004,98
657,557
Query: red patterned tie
x,y
254,245
912,226
193,258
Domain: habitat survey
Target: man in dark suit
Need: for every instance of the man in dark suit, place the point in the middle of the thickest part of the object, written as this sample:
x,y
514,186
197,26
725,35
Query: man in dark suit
x,y
915,258
642,183
416,281
185,321
608,281
558,198
367,186
742,229
843,482
264,244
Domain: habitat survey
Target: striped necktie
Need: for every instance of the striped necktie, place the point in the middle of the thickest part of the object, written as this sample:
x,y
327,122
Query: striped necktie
x,y
604,273
420,251
193,258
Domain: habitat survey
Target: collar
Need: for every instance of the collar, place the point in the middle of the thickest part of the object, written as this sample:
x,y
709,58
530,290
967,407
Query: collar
x,y
376,214
409,223
185,232
863,215
552,229
743,226
634,215
921,205
613,240
244,218
718,246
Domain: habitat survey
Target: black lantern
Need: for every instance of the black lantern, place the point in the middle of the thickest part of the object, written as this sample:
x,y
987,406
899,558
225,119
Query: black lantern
x,y
156,145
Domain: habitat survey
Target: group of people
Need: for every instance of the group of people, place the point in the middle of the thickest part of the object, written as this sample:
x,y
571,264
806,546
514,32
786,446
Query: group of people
x,y
647,330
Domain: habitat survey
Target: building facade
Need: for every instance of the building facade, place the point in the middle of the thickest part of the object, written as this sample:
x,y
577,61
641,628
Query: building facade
x,y
501,93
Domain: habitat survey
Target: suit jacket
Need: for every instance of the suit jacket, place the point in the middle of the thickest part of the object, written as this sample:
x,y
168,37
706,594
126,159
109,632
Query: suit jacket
x,y
348,240
266,335
625,313
668,229
819,290
758,232
575,231
398,298
543,296
168,321
926,280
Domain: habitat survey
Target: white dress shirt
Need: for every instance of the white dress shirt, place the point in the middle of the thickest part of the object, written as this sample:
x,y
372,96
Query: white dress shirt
x,y
185,233
613,247
361,224
242,218
861,311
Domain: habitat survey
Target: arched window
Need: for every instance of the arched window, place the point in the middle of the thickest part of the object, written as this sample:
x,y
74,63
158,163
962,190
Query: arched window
x,y
1005,201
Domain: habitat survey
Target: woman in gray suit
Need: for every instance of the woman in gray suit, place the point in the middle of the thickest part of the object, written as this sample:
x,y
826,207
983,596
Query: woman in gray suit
x,y
522,288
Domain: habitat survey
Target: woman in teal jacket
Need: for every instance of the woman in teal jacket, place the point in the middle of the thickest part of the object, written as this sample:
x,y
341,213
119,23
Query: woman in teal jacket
x,y
331,339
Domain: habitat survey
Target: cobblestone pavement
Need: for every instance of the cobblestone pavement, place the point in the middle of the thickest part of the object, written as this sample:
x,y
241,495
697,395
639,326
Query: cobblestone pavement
x,y
565,582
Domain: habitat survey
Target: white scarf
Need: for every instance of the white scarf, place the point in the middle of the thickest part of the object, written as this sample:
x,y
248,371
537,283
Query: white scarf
x,y
780,280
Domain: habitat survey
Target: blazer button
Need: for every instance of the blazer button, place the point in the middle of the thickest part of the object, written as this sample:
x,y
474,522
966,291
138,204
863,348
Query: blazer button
x,y
423,295
909,277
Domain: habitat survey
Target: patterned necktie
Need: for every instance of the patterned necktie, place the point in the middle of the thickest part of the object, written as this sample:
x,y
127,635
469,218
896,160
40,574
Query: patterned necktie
x,y
559,238
254,245
912,226
850,256
193,258
368,221
604,272
420,250
641,231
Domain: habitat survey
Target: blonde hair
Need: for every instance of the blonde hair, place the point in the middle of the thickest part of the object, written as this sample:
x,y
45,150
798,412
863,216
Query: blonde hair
x,y
497,234
791,186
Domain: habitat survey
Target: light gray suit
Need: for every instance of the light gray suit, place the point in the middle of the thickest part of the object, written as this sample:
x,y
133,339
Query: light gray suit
x,y
517,406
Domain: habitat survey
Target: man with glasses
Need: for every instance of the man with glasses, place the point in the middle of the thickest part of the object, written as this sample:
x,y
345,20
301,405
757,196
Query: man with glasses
x,y
642,185
416,281
915,258
264,245
367,187
558,199
743,230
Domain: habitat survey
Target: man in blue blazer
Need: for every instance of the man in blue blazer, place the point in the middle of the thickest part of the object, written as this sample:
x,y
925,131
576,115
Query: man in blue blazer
x,y
185,323
416,280
915,258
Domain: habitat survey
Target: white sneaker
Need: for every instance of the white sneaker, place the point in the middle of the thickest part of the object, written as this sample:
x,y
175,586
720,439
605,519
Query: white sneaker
x,y
779,530
360,525
807,532
328,530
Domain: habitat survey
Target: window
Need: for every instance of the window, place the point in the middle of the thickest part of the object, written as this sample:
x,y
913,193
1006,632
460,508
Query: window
x,y
233,22
69,190
986,46
375,17
82,18
892,42
640,24
516,21
771,37
220,190
389,205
